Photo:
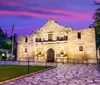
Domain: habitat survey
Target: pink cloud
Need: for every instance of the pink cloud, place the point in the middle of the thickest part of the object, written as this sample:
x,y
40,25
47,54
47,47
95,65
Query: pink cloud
x,y
68,12
97,0
11,3
74,15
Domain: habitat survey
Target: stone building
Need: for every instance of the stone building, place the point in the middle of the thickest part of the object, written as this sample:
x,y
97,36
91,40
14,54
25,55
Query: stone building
x,y
54,42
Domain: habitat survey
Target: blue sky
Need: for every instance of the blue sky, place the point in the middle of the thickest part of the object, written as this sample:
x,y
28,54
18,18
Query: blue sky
x,y
29,15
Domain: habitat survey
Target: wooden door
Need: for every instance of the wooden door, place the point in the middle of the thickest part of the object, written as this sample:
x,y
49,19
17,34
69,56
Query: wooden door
x,y
50,55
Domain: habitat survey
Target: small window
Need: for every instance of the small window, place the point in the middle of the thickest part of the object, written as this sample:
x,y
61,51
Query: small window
x,y
61,38
39,39
43,39
57,38
50,37
26,39
79,35
65,37
36,40
80,48
25,50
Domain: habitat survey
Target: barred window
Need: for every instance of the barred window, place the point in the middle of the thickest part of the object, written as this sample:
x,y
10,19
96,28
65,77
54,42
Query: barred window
x,y
50,37
61,38
79,35
39,39
25,50
26,39
43,39
80,48
65,37
58,38
36,39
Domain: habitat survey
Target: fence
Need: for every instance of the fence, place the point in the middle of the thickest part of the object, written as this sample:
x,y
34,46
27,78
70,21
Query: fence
x,y
73,61
30,63
57,61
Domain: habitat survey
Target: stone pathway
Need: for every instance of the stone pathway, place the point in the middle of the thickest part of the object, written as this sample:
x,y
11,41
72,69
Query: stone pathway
x,y
67,74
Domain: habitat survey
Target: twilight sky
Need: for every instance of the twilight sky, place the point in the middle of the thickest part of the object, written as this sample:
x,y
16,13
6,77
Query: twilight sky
x,y
29,15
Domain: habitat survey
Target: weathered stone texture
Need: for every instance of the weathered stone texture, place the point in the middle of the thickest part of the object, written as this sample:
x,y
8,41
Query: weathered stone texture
x,y
70,47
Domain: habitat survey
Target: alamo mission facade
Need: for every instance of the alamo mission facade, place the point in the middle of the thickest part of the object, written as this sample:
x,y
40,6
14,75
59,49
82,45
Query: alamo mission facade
x,y
54,42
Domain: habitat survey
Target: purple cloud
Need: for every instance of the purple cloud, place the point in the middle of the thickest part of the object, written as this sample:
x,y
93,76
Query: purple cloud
x,y
26,12
46,13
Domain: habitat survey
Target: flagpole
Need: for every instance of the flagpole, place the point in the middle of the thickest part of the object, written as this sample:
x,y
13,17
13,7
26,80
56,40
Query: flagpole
x,y
12,41
12,46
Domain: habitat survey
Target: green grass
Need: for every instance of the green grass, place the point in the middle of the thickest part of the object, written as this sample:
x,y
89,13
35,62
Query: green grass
x,y
12,71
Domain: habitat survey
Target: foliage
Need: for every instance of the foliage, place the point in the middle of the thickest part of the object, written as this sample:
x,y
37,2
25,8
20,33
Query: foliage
x,y
2,34
5,44
0,53
5,41
96,23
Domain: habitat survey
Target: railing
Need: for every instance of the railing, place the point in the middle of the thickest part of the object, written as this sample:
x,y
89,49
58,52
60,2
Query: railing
x,y
49,40
57,61
34,63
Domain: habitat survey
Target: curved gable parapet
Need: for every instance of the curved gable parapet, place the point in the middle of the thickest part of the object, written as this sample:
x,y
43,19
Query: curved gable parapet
x,y
50,27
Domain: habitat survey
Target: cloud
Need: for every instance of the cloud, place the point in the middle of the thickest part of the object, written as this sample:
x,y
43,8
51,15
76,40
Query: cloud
x,y
36,12
53,4
10,2
28,9
97,0
67,12
44,9
51,14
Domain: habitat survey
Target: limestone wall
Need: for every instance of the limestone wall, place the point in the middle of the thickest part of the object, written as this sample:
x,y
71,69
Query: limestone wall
x,y
87,41
69,47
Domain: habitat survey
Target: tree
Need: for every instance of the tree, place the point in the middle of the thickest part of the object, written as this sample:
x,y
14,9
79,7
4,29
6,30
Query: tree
x,y
5,42
2,34
96,23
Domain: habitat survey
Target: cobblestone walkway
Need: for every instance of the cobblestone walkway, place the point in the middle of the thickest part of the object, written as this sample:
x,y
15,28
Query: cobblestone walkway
x,y
67,74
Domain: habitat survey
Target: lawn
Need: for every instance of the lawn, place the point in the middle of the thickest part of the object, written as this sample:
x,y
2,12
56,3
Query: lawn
x,y
11,71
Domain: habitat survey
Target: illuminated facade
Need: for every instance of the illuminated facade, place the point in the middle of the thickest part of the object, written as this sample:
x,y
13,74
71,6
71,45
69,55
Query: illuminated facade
x,y
54,42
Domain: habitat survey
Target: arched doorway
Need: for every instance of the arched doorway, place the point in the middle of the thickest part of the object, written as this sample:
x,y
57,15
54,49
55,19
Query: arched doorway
x,y
50,55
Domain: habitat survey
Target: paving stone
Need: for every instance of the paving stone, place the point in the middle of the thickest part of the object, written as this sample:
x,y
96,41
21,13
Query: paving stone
x,y
11,83
90,81
83,84
72,84
42,83
34,82
93,84
63,84
50,81
46,77
96,80
64,74
28,79
62,81
59,76
69,76
78,81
